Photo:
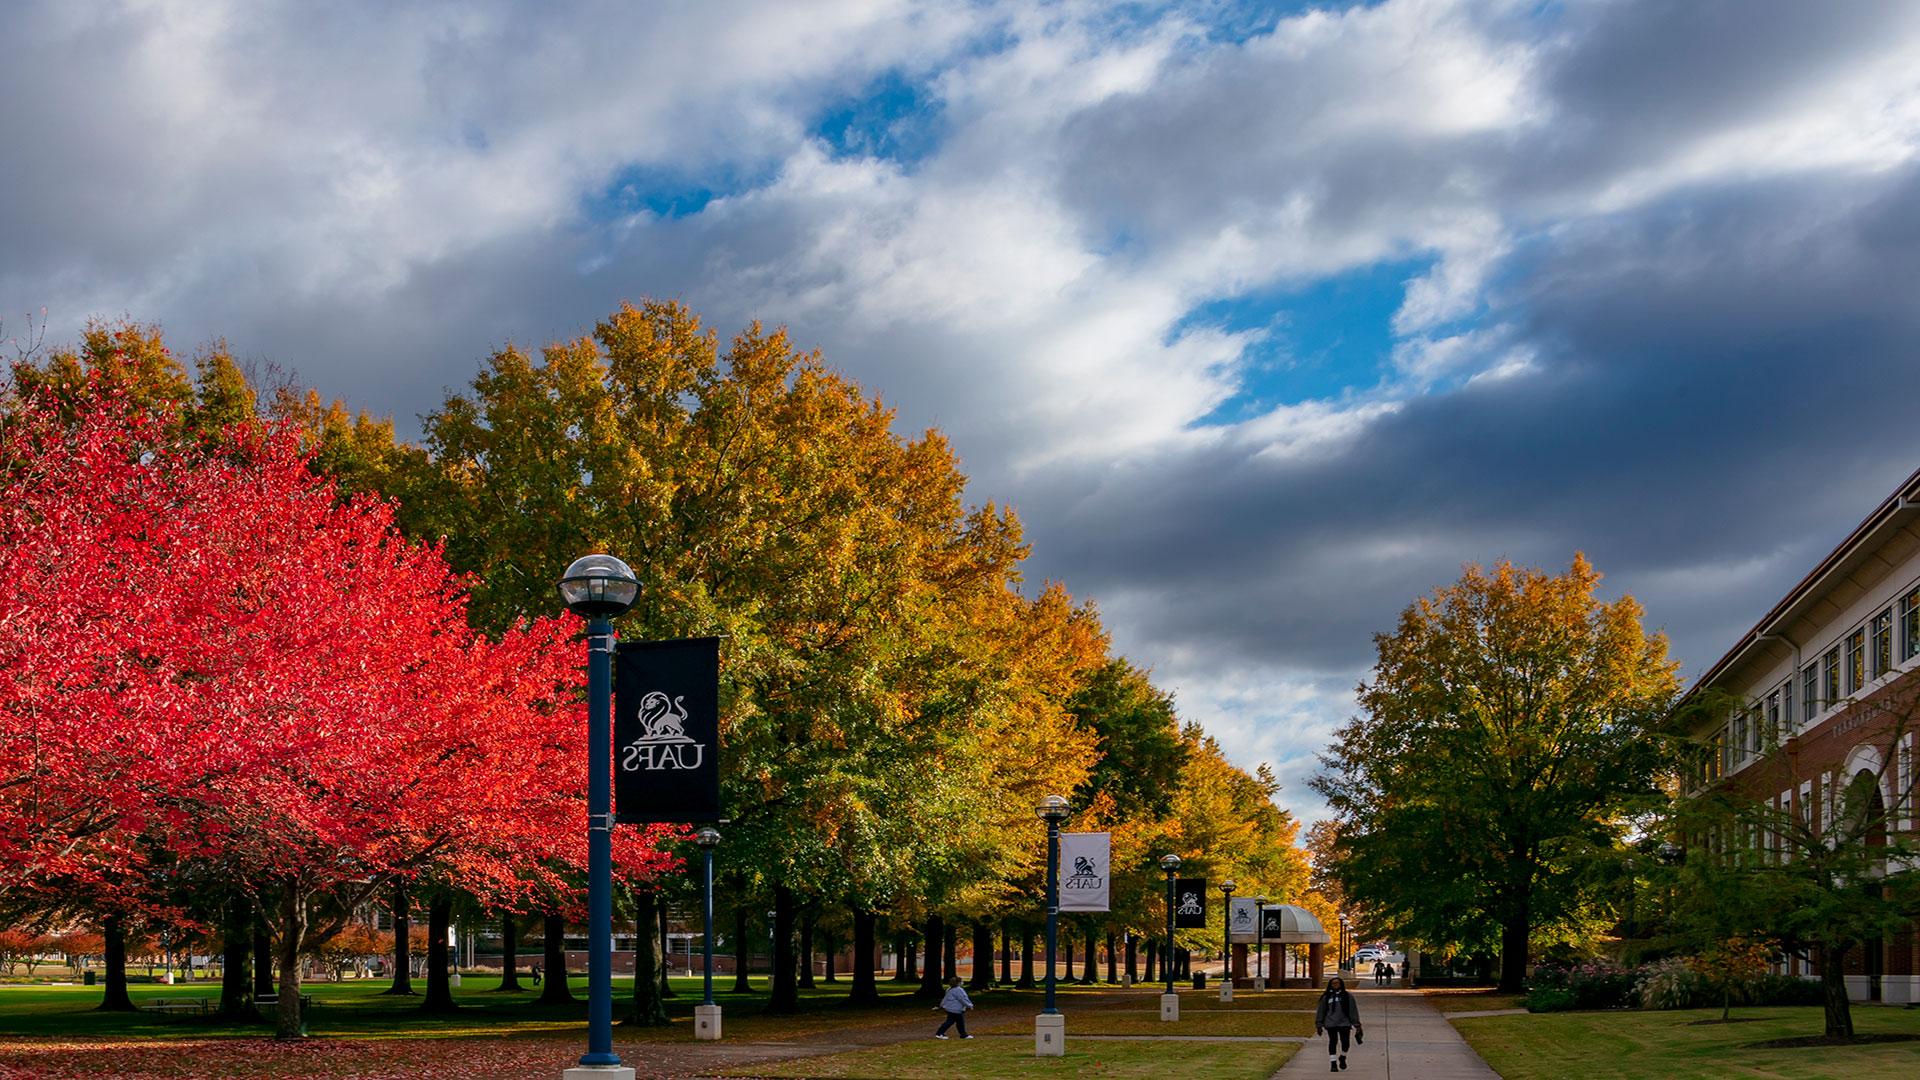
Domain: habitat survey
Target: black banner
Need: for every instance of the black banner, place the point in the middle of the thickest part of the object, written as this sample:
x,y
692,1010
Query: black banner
x,y
1270,924
1190,902
666,731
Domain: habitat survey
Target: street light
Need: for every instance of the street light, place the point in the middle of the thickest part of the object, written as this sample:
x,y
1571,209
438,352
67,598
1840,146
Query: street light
x,y
1169,1001
1260,942
1050,1028
706,1015
596,588
1342,963
1226,942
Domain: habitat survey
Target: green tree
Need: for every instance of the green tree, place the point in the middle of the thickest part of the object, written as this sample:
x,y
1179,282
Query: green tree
x,y
1503,741
1822,878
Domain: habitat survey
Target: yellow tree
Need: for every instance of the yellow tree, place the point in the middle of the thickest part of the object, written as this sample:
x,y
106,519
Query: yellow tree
x,y
1504,740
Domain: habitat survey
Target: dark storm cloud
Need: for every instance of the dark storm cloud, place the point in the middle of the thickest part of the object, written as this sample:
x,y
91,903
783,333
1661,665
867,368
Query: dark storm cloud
x,y
1721,379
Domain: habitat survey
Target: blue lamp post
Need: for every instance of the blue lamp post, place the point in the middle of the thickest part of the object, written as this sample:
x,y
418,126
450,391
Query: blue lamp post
x,y
706,1016
597,588
1050,1028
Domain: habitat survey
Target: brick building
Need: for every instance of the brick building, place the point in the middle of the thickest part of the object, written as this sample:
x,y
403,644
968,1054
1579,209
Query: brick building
x,y
1825,685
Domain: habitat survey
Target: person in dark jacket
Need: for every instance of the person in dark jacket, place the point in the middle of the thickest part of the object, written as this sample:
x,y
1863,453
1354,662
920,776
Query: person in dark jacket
x,y
1338,1015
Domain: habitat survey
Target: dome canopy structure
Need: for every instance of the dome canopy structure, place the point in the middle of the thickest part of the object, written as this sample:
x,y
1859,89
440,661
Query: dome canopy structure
x,y
1297,926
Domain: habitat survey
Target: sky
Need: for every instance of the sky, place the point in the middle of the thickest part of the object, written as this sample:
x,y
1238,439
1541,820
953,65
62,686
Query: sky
x,y
1266,318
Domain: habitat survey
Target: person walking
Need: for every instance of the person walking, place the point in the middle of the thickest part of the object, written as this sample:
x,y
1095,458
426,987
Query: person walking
x,y
1338,1016
956,1004
536,974
1378,972
1388,981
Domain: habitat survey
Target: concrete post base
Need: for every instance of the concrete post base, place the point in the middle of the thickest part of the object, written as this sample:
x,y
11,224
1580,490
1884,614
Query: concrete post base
x,y
1259,984
1226,991
1050,1035
1169,1006
598,1072
706,1021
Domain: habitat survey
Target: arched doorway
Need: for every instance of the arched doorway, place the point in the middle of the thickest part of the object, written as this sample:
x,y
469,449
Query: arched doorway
x,y
1863,798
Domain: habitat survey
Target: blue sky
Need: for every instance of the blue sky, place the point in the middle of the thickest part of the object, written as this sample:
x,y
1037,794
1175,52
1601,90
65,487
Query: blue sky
x,y
1265,317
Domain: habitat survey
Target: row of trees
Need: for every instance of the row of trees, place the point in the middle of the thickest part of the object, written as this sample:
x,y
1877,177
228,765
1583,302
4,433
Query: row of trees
x,y
257,648
1513,787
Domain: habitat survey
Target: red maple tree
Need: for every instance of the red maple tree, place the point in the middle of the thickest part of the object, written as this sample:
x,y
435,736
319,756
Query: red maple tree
x,y
204,648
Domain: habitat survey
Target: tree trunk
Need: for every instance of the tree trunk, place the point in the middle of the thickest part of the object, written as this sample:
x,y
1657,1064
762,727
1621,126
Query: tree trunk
x,y
1067,940
1833,980
784,1000
830,949
402,954
910,961
1113,958
1514,933
289,1024
1153,952
666,953
236,975
934,935
899,957
509,954
554,989
806,950
741,984
648,1009
1133,959
439,987
863,992
949,953
116,998
1026,957
982,956
1006,954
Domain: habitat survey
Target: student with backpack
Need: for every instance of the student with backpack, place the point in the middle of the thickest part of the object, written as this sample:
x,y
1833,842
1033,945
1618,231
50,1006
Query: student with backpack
x,y
1338,1016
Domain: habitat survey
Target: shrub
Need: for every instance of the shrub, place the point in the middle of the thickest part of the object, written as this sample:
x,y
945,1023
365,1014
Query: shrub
x,y
1669,984
1786,990
1550,999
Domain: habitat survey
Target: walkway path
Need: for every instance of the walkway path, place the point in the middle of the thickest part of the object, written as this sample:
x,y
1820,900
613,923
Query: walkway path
x,y
1407,1039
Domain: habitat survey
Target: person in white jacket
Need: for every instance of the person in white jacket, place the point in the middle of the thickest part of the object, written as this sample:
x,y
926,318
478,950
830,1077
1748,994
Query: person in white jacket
x,y
956,1003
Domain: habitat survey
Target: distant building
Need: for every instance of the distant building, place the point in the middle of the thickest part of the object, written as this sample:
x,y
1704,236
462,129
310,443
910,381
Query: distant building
x,y
1820,674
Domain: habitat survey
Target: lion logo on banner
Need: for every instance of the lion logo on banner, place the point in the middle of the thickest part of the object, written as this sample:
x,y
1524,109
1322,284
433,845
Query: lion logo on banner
x,y
663,720
1189,905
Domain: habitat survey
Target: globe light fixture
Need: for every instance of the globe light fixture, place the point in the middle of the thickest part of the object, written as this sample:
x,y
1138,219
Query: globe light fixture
x,y
598,587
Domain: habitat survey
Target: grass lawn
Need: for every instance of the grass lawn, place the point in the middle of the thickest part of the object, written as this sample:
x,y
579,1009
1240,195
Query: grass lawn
x,y
1267,1022
1668,1046
1450,999
992,1058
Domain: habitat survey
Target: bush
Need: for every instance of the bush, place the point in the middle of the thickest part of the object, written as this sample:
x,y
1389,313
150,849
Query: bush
x,y
1549,999
1670,984
1786,990
1593,984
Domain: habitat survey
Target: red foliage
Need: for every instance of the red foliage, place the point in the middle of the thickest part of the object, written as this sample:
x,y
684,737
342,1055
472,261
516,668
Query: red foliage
x,y
204,647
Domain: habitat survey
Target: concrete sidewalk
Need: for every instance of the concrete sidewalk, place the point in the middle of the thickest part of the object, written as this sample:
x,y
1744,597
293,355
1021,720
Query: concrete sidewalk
x,y
1407,1039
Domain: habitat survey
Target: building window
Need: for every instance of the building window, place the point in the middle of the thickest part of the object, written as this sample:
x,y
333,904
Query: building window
x,y
1830,678
1809,693
1883,643
1786,706
1909,625
1856,660
1773,721
1737,744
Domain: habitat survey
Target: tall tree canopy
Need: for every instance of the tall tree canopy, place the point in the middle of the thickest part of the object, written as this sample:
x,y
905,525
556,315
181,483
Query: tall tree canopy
x,y
1503,739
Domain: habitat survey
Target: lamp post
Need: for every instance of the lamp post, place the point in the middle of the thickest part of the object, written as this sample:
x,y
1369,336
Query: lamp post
x,y
1341,963
1260,942
1169,1001
1050,1028
706,1015
597,588
1226,943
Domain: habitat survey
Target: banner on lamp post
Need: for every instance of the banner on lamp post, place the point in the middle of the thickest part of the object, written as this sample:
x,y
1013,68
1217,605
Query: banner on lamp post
x,y
1190,902
666,731
1085,862
1243,920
